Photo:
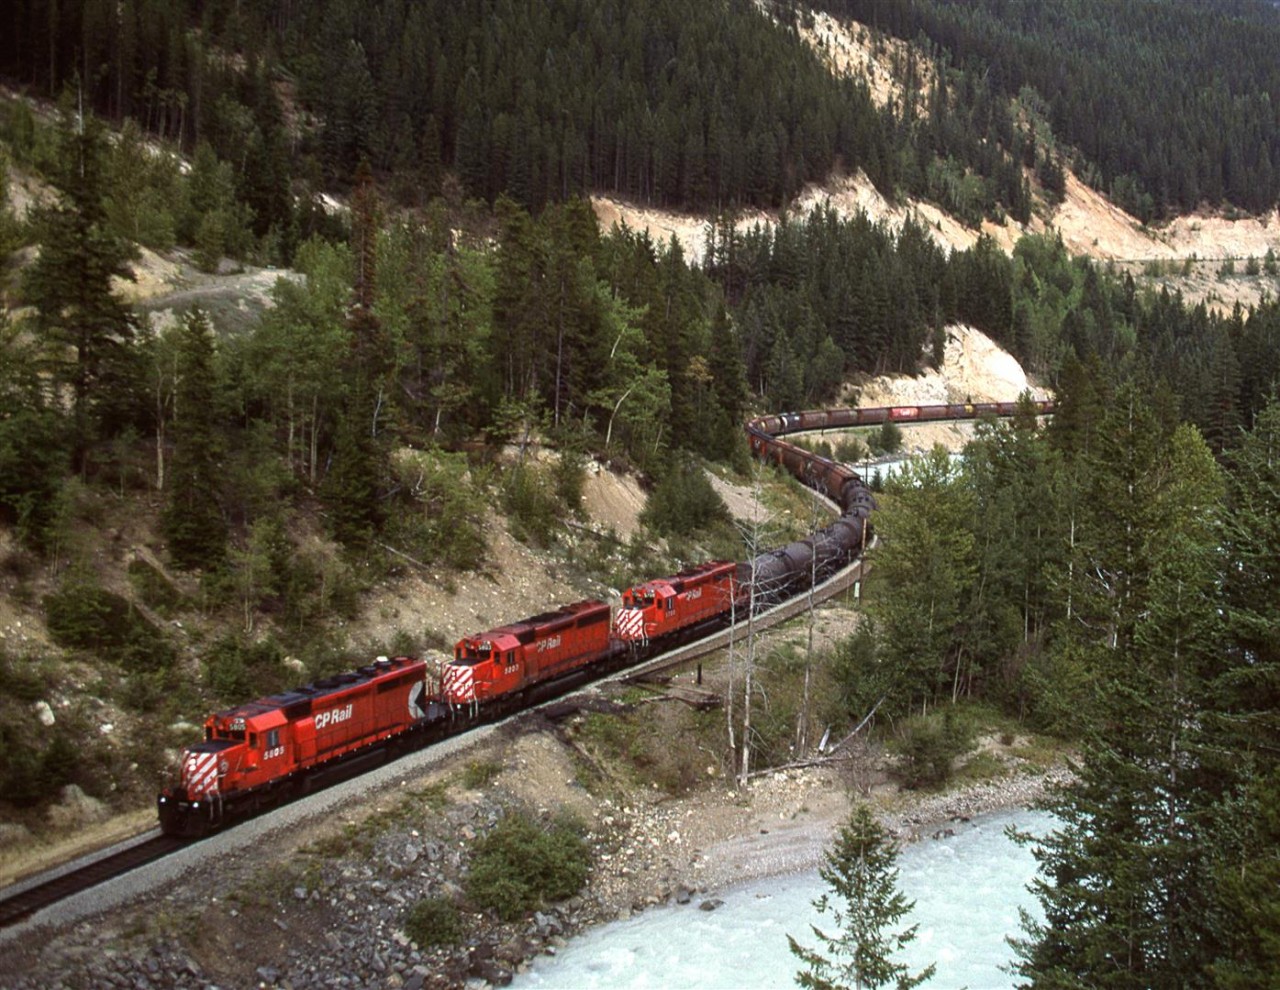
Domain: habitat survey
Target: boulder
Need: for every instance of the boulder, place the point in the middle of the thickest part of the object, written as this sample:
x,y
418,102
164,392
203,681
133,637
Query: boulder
x,y
76,809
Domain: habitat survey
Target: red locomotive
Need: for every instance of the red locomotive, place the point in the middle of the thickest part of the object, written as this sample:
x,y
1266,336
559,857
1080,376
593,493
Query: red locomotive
x,y
508,659
255,751
668,605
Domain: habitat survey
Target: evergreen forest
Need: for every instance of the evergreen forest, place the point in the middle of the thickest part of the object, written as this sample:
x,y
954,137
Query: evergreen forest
x,y
445,301
1166,105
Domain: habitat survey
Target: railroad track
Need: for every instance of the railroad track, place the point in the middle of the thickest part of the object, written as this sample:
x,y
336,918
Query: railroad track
x,y
25,899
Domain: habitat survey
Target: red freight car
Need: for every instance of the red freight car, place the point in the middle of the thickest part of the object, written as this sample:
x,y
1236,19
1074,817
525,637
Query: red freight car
x,y
510,658
251,752
666,605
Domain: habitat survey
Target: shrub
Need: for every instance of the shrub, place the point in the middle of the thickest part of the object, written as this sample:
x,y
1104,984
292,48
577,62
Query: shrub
x,y
21,679
569,477
887,440
479,772
237,669
530,502
929,747
447,527
520,865
30,775
433,921
683,502
83,616
850,450
153,588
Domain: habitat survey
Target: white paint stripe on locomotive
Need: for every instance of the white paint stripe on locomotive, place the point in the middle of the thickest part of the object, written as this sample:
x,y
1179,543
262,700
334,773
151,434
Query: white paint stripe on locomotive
x,y
630,623
201,773
459,684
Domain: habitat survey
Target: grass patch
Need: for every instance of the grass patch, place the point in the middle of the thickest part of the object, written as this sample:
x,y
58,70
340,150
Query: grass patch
x,y
982,766
480,773
1041,752
356,840
353,840
267,887
434,796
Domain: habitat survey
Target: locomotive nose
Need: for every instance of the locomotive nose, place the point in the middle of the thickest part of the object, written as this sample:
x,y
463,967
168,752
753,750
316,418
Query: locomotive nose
x,y
458,684
204,766
628,624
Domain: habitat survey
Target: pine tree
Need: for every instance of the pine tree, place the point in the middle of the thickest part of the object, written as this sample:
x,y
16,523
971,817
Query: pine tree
x,y
193,523
1245,884
1251,537
83,323
1125,878
33,455
359,459
1246,832
928,560
860,869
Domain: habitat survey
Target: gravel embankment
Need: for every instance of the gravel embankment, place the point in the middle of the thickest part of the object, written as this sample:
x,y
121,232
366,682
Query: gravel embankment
x,y
232,912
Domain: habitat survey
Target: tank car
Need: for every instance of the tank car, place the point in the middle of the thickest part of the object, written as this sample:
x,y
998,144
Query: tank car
x,y
255,751
670,605
507,660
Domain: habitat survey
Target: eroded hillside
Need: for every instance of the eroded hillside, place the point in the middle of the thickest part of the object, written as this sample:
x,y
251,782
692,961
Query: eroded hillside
x,y
1205,256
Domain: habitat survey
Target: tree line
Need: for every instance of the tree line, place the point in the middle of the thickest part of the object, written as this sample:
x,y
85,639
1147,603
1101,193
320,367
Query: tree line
x,y
458,321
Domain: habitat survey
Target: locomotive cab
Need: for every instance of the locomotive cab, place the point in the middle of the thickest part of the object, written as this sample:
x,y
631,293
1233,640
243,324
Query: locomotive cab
x,y
241,749
482,667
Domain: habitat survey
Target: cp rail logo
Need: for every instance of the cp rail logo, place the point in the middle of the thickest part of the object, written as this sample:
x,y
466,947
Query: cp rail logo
x,y
333,716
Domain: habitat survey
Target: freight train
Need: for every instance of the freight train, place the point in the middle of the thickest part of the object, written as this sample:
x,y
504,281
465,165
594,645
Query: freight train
x,y
275,747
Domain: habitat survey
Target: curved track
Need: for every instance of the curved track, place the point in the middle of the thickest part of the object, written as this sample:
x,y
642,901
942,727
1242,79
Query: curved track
x,y
22,900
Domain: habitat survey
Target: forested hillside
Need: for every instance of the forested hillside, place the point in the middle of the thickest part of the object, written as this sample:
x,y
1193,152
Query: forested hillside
x,y
198,499
706,107
1166,105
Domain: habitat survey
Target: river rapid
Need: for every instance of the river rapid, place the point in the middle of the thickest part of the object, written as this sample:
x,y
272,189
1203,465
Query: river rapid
x,y
968,887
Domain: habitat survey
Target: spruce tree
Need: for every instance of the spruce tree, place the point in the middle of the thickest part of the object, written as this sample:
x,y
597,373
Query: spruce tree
x,y
1124,878
193,522
359,457
1246,828
1250,687
83,324
867,906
